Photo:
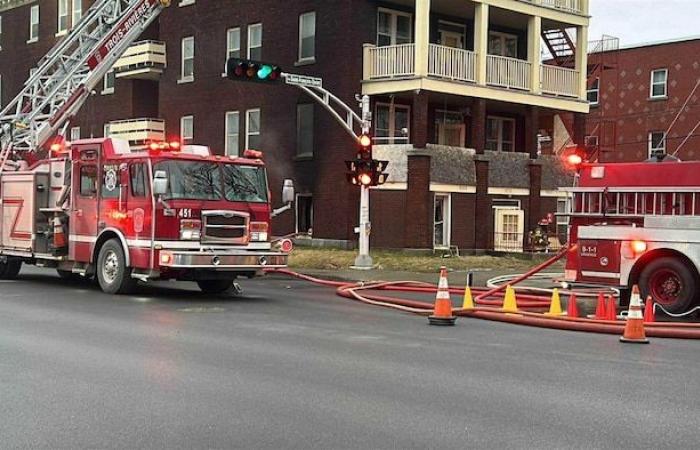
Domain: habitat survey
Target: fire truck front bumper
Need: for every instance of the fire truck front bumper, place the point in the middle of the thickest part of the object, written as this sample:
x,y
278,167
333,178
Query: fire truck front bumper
x,y
222,260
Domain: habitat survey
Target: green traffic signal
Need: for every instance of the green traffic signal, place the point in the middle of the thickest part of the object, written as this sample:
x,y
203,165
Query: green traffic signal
x,y
256,71
264,72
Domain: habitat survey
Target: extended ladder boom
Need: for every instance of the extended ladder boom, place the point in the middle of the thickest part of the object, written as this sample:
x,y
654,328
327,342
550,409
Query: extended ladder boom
x,y
64,78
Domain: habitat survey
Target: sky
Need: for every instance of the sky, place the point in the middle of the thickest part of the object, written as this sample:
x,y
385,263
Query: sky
x,y
636,21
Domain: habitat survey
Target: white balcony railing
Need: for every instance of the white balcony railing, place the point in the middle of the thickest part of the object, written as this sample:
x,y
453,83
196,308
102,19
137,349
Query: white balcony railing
x,y
452,63
145,59
392,61
138,131
560,81
573,6
508,72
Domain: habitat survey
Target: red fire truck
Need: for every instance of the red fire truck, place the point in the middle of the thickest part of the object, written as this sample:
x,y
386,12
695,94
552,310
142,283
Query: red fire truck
x,y
97,208
638,223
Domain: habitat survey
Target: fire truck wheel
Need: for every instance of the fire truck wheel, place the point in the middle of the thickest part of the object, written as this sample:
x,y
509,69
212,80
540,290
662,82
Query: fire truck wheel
x,y
112,274
670,283
215,286
9,268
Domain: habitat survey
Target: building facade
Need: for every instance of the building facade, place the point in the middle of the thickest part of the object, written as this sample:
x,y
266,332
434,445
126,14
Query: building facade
x,y
459,96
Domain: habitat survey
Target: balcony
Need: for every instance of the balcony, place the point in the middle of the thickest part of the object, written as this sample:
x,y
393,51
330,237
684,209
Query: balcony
x,y
451,63
509,73
138,131
569,6
559,81
144,60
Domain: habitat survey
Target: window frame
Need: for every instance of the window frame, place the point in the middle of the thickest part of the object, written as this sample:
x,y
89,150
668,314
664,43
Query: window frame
x,y
76,12
228,134
652,84
503,37
392,137
300,56
62,31
190,77
230,49
74,133
500,140
309,152
186,140
446,198
248,133
393,25
81,192
249,47
144,176
651,147
594,89
106,88
106,130
34,37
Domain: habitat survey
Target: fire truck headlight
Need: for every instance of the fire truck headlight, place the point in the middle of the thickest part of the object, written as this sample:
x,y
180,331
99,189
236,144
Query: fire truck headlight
x,y
190,229
258,231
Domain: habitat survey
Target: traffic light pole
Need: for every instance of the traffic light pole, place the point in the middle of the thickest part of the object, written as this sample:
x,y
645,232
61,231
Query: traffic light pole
x,y
363,261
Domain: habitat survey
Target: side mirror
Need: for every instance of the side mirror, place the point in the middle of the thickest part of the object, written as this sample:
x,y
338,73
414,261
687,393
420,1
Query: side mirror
x,y
288,191
160,182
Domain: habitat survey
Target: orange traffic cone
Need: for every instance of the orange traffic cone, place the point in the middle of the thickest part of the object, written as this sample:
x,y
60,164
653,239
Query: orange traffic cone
x,y
59,238
600,308
634,328
649,310
572,307
442,315
611,309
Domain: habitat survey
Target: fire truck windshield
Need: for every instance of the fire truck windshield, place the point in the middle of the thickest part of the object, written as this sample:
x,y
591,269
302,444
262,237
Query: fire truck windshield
x,y
193,180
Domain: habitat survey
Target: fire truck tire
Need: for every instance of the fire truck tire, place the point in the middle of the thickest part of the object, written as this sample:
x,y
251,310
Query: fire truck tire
x,y
670,282
112,274
9,268
215,286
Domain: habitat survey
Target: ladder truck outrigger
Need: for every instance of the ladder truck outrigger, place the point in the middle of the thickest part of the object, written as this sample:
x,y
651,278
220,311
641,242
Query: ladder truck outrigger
x,y
97,207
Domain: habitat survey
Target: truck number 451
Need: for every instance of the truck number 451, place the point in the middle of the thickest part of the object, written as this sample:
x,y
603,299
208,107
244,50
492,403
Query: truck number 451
x,y
185,213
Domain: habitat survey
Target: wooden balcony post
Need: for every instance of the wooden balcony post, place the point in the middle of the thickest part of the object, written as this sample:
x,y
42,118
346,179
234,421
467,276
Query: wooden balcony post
x,y
422,26
534,32
367,61
582,60
481,39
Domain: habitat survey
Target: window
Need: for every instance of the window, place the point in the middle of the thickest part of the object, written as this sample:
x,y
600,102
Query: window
x,y
307,36
657,143
88,181
392,124
77,11
659,79
34,24
233,43
186,129
562,219
255,41
187,63
75,133
451,34
304,207
62,17
137,173
252,129
232,130
108,85
441,221
500,134
593,92
106,130
450,128
305,129
503,44
393,27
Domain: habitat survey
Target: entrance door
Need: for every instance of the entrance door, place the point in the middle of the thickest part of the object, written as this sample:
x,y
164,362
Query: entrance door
x,y
509,228
452,134
441,222
83,214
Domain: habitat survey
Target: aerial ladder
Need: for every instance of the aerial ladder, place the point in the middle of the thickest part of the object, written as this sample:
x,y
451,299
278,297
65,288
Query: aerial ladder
x,y
66,75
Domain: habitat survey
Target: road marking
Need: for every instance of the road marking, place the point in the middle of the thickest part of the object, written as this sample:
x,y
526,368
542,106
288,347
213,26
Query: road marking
x,y
201,309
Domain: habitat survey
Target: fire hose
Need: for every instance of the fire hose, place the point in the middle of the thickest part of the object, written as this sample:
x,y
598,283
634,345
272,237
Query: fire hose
x,y
488,302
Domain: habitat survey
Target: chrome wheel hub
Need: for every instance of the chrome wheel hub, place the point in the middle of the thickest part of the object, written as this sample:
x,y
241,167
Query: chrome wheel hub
x,y
110,268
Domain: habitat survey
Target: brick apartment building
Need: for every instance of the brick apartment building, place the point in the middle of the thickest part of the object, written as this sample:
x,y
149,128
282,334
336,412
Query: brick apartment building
x,y
644,100
459,96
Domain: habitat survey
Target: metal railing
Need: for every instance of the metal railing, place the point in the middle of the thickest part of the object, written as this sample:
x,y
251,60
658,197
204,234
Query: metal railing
x,y
560,81
142,54
452,63
392,61
507,72
573,6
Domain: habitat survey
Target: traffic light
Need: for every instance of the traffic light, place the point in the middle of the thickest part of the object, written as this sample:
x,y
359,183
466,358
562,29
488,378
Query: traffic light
x,y
363,172
256,71
364,152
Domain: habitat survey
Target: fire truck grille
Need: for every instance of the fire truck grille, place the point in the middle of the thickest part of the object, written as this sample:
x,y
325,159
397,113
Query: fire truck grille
x,y
225,227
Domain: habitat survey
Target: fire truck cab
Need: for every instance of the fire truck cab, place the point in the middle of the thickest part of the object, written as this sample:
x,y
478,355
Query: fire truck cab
x,y
100,209
638,223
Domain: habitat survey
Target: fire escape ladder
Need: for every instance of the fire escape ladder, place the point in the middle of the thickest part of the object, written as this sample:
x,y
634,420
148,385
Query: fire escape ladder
x,y
560,46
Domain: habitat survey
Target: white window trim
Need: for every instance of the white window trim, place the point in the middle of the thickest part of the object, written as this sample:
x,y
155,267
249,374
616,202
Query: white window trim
x,y
650,143
227,133
108,90
247,126
59,31
73,131
184,138
74,10
500,140
33,39
394,14
228,49
250,29
652,84
391,139
188,78
597,93
446,221
307,59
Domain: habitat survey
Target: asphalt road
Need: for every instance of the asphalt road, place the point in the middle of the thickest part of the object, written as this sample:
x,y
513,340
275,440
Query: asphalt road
x,y
289,365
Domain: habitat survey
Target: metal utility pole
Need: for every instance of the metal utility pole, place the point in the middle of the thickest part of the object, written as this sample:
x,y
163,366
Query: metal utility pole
x,y
363,261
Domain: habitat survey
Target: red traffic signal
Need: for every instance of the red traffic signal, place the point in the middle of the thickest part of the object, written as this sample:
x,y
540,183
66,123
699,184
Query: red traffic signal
x,y
366,172
256,71
365,150
573,157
